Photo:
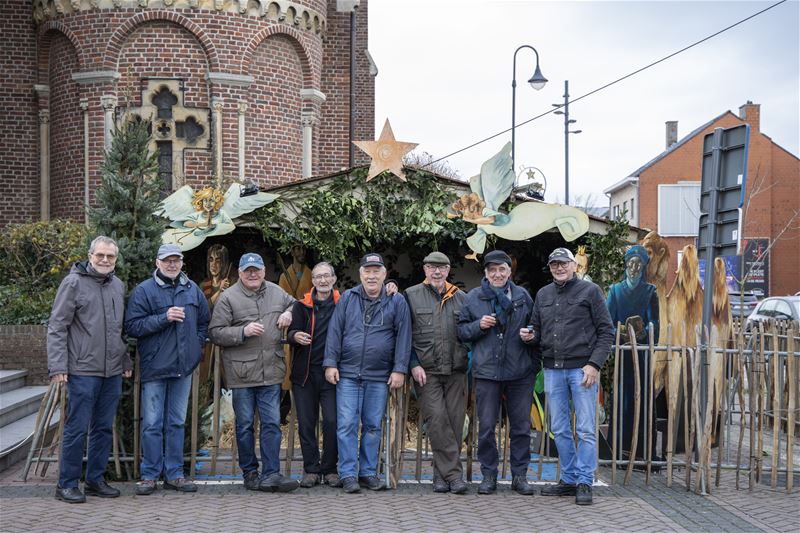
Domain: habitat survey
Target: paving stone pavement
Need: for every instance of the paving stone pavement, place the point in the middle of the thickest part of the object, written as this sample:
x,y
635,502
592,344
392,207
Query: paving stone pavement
x,y
226,506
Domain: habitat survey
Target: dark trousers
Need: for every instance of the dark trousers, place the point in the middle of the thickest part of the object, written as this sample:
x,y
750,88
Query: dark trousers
x,y
518,396
443,401
92,406
316,394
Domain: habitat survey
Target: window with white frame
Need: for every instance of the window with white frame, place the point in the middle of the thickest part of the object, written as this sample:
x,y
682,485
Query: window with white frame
x,y
679,209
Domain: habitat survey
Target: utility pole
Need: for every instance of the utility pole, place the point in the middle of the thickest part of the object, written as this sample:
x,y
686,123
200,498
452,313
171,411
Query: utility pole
x,y
567,122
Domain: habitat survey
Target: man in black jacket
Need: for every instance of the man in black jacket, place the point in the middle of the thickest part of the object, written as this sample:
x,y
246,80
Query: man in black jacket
x,y
573,332
307,332
494,319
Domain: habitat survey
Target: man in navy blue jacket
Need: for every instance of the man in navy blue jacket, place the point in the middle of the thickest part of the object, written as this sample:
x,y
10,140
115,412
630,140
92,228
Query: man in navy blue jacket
x,y
494,319
367,348
168,314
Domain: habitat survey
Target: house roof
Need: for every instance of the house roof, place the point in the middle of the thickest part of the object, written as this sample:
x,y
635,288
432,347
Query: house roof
x,y
677,145
630,180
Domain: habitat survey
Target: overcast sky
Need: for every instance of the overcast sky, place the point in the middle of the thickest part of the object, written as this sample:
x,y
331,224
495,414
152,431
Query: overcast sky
x,y
445,70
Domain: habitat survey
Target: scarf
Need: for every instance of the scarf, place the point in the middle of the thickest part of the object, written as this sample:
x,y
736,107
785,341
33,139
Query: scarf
x,y
500,302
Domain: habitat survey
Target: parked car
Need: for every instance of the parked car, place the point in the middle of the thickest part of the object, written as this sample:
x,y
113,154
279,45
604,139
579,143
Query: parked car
x,y
775,307
742,304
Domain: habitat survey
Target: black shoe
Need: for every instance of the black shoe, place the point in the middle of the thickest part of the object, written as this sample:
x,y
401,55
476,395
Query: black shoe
x,y
520,485
371,482
583,495
332,479
488,485
350,485
70,495
101,489
251,480
440,485
561,489
145,487
277,483
309,480
459,486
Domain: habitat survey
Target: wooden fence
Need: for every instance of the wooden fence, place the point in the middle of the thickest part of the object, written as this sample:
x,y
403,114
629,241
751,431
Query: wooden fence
x,y
746,421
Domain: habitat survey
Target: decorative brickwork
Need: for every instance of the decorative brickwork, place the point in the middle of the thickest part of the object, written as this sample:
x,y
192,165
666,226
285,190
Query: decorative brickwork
x,y
278,65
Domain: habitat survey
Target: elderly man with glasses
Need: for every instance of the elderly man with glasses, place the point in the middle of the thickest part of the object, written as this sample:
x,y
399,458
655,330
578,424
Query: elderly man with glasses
x,y
168,315
439,366
85,350
573,332
368,348
312,393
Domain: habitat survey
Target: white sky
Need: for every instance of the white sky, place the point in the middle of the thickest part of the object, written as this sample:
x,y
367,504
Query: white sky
x,y
445,70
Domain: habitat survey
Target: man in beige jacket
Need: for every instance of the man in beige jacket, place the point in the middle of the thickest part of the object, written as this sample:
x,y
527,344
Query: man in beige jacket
x,y
247,323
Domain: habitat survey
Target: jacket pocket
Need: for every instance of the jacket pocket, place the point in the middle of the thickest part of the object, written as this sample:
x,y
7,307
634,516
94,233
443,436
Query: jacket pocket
x,y
246,371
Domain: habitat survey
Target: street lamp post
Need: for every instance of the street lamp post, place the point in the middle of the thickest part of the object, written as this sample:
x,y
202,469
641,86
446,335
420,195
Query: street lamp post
x,y
537,81
567,122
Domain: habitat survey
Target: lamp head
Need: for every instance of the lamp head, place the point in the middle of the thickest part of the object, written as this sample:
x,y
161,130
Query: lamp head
x,y
538,80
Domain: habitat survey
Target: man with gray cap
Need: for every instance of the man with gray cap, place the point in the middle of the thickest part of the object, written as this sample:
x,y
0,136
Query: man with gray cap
x,y
439,365
495,319
247,323
168,315
573,333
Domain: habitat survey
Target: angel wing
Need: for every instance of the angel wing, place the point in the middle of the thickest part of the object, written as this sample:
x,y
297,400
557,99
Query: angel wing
x,y
236,205
495,181
178,205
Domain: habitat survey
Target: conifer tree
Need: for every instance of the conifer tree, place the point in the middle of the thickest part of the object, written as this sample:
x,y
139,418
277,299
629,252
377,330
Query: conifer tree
x,y
127,198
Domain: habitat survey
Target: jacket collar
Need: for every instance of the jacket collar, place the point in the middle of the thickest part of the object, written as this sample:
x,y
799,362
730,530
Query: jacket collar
x,y
250,293
183,279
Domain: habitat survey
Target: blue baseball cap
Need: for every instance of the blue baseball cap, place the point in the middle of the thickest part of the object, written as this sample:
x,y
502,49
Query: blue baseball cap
x,y
251,260
168,250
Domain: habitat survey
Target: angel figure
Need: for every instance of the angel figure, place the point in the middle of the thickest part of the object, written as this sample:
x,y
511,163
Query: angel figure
x,y
205,213
490,189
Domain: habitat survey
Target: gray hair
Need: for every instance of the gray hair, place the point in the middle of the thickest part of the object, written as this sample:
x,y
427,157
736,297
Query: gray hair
x,y
102,239
324,264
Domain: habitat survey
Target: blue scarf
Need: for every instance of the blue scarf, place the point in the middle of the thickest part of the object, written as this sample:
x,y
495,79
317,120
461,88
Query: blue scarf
x,y
500,302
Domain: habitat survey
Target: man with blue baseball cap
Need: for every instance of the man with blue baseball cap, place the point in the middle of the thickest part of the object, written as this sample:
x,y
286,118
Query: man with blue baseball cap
x,y
247,323
168,315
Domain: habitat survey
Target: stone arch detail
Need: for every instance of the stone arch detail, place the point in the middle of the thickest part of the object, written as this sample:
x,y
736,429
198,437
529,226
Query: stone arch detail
x,y
114,46
43,54
295,39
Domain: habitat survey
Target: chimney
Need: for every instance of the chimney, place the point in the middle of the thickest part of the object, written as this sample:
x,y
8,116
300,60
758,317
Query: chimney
x,y
751,113
672,132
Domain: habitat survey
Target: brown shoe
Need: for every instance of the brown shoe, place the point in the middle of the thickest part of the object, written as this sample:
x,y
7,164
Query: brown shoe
x,y
181,485
333,480
309,480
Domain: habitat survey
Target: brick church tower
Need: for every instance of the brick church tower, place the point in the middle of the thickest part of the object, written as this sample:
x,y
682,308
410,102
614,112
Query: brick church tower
x,y
239,89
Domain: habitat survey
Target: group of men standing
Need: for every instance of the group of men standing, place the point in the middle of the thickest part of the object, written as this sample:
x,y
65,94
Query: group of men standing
x,y
350,350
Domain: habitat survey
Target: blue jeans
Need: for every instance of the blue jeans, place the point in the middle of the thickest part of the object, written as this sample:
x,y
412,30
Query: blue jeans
x,y
267,400
162,436
364,402
92,406
561,386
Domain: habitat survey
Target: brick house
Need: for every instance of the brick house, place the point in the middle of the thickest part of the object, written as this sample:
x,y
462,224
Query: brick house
x,y
239,89
664,195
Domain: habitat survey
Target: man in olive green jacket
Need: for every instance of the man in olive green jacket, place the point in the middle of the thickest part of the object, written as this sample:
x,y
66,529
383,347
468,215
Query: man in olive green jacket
x,y
439,365
247,323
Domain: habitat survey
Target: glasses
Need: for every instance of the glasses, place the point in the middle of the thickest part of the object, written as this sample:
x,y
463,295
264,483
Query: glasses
x,y
172,261
558,265
319,277
101,257
437,268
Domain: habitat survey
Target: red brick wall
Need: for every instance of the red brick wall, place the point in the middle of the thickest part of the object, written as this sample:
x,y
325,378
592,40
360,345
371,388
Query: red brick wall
x,y
334,126
772,178
66,133
274,132
25,348
175,43
19,162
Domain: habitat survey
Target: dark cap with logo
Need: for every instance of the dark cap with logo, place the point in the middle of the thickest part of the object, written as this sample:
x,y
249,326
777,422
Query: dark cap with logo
x,y
560,255
436,258
496,257
372,259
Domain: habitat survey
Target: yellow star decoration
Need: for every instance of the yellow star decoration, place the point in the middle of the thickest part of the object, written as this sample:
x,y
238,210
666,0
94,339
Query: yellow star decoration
x,y
386,153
